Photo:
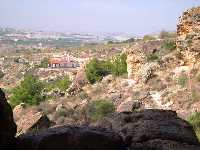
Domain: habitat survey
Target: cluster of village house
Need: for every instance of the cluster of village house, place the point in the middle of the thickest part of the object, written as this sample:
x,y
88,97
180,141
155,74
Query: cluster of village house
x,y
64,61
55,61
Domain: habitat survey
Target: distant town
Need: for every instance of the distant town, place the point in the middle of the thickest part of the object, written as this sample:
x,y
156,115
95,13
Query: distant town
x,y
19,40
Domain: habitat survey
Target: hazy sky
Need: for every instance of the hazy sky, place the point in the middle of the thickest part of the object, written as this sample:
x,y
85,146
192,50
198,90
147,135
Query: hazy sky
x,y
94,16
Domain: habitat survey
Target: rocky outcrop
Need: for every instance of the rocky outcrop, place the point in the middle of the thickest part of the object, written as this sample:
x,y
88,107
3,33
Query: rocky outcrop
x,y
143,130
78,82
153,129
18,111
158,144
129,105
135,61
138,67
71,138
32,121
7,126
188,35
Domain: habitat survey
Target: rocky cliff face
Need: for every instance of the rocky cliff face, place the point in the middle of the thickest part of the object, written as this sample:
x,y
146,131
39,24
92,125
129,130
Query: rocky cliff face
x,y
135,61
138,68
188,45
188,31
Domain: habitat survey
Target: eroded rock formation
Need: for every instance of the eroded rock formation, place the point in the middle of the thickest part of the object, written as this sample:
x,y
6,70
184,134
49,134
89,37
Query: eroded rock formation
x,y
135,61
138,67
188,36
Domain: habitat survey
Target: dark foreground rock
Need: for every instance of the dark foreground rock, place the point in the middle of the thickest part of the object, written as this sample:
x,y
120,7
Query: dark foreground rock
x,y
71,138
144,130
153,130
158,144
8,128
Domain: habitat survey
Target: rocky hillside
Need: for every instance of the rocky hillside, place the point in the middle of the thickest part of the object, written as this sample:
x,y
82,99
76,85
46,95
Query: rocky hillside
x,y
148,129
173,79
143,107
161,74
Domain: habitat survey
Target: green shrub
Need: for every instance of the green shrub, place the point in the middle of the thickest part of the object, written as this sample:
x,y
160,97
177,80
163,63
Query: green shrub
x,y
182,80
60,113
65,112
195,96
29,91
152,57
194,120
167,35
96,70
83,95
1,74
198,78
131,40
148,38
99,109
169,45
119,65
110,42
60,83
44,63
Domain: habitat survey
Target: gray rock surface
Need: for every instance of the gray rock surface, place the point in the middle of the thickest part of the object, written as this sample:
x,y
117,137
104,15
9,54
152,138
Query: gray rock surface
x,y
71,138
150,129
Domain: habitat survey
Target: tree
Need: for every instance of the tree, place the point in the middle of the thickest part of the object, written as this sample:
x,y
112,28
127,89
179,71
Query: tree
x,y
110,42
152,57
119,65
29,91
166,35
64,83
60,83
131,40
148,38
44,63
96,70
194,120
169,45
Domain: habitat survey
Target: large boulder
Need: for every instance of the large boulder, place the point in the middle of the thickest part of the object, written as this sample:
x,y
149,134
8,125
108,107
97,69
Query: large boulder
x,y
129,105
138,68
71,138
31,121
7,126
18,111
158,144
153,129
78,82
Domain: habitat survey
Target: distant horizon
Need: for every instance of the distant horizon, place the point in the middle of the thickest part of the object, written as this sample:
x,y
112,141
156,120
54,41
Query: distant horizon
x,y
76,32
94,16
